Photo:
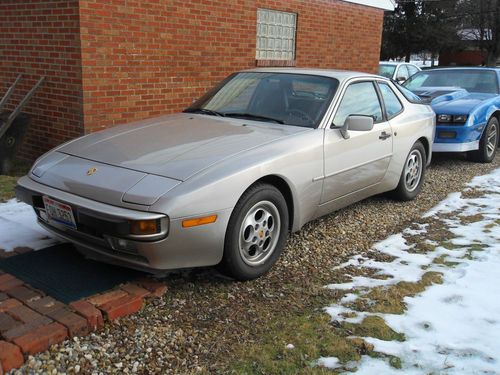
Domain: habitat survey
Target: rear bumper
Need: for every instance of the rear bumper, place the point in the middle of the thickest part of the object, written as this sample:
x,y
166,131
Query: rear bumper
x,y
182,248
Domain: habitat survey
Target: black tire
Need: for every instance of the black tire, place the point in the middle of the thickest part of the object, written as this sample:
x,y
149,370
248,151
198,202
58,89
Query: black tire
x,y
407,191
487,145
235,261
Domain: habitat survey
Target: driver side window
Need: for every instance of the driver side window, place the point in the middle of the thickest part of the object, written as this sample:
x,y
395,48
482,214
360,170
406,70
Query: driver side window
x,y
359,99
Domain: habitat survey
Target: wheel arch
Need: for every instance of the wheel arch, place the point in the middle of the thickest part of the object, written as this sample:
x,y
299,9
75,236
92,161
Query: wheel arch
x,y
496,114
283,186
425,142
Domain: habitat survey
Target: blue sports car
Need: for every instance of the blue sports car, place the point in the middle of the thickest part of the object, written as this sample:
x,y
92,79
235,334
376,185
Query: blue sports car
x,y
467,106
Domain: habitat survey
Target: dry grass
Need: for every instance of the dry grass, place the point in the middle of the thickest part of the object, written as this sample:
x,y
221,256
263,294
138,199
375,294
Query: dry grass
x,y
7,183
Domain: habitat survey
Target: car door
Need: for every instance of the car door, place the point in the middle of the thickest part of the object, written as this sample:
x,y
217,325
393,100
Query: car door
x,y
361,160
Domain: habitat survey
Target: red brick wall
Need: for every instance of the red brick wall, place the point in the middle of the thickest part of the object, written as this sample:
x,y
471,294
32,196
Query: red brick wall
x,y
462,58
142,58
114,61
41,38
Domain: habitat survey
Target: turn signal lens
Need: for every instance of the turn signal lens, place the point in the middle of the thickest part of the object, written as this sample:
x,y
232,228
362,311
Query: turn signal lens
x,y
199,221
459,118
144,227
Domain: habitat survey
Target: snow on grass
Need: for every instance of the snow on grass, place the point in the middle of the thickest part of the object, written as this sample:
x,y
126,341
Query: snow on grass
x,y
330,362
18,227
488,181
449,328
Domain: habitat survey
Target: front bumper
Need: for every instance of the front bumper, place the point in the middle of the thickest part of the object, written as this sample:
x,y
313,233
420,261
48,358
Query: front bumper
x,y
455,147
457,138
182,248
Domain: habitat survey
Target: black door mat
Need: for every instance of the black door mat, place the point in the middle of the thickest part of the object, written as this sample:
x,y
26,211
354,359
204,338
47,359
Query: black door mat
x,y
64,274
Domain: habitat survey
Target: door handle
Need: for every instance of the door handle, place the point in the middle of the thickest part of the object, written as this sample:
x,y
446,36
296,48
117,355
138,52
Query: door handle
x,y
384,135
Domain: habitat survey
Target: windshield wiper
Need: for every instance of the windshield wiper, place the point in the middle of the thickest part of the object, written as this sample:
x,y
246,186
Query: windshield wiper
x,y
204,111
253,117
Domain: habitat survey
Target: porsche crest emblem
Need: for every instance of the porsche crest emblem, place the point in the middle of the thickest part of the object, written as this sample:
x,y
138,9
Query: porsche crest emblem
x,y
91,171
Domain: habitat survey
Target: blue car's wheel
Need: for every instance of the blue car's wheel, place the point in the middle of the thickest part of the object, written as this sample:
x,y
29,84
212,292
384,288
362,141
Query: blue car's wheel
x,y
488,143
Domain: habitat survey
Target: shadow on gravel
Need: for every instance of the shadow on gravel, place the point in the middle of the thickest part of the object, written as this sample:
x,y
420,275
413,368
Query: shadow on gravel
x,y
64,274
441,158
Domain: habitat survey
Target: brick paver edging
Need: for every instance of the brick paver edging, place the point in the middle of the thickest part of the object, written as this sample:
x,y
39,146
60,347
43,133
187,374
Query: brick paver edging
x,y
30,321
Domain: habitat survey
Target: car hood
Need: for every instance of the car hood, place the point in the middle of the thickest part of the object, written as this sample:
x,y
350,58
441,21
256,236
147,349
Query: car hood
x,y
175,146
452,100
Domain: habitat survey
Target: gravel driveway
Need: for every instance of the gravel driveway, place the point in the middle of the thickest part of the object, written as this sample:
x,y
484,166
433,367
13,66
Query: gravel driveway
x,y
205,320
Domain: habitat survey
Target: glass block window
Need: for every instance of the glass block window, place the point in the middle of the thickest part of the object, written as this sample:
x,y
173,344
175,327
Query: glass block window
x,y
275,35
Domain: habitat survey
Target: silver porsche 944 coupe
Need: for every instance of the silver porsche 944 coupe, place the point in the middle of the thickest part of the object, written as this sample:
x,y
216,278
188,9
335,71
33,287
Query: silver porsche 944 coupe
x,y
224,182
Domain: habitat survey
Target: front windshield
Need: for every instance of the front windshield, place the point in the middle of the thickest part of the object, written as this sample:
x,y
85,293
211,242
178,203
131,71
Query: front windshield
x,y
283,98
472,80
386,70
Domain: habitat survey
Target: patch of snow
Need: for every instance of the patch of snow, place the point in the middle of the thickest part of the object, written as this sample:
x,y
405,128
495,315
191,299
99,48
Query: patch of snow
x,y
487,182
452,203
340,313
358,282
451,328
379,366
422,228
18,227
349,298
354,261
330,362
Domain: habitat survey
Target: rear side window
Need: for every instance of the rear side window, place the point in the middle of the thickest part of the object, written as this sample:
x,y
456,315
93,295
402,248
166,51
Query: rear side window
x,y
402,73
412,69
386,70
392,104
359,99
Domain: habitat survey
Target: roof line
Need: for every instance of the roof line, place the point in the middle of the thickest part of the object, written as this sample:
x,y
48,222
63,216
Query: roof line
x,y
381,4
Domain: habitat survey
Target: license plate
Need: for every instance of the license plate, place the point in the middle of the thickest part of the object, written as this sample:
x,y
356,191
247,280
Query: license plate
x,y
59,213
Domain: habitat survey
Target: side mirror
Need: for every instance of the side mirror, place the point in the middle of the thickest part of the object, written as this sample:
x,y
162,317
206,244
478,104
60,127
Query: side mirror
x,y
401,79
358,123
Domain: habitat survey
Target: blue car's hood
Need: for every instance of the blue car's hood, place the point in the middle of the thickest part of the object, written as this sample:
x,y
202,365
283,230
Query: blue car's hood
x,y
452,100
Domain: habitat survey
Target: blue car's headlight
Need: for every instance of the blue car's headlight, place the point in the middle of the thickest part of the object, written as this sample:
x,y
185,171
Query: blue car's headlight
x,y
456,119
444,118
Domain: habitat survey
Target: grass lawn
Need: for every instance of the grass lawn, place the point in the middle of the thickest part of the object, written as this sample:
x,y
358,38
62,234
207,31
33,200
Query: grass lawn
x,y
314,334
7,183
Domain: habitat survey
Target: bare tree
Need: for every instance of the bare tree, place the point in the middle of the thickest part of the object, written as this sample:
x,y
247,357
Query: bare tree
x,y
480,19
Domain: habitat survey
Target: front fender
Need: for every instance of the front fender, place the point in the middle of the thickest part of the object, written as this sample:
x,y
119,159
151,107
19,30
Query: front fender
x,y
482,114
297,159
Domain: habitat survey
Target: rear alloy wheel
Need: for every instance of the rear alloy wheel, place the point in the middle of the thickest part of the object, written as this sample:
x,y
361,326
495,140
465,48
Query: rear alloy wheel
x,y
488,143
412,176
256,233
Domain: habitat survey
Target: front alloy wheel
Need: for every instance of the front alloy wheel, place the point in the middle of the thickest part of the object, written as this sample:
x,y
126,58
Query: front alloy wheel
x,y
259,233
256,233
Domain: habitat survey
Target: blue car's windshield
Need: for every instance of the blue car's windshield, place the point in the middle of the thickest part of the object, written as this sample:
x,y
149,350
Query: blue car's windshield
x,y
409,95
473,80
283,98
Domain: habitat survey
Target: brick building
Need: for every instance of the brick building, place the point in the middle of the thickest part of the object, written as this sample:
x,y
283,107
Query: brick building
x,y
113,61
